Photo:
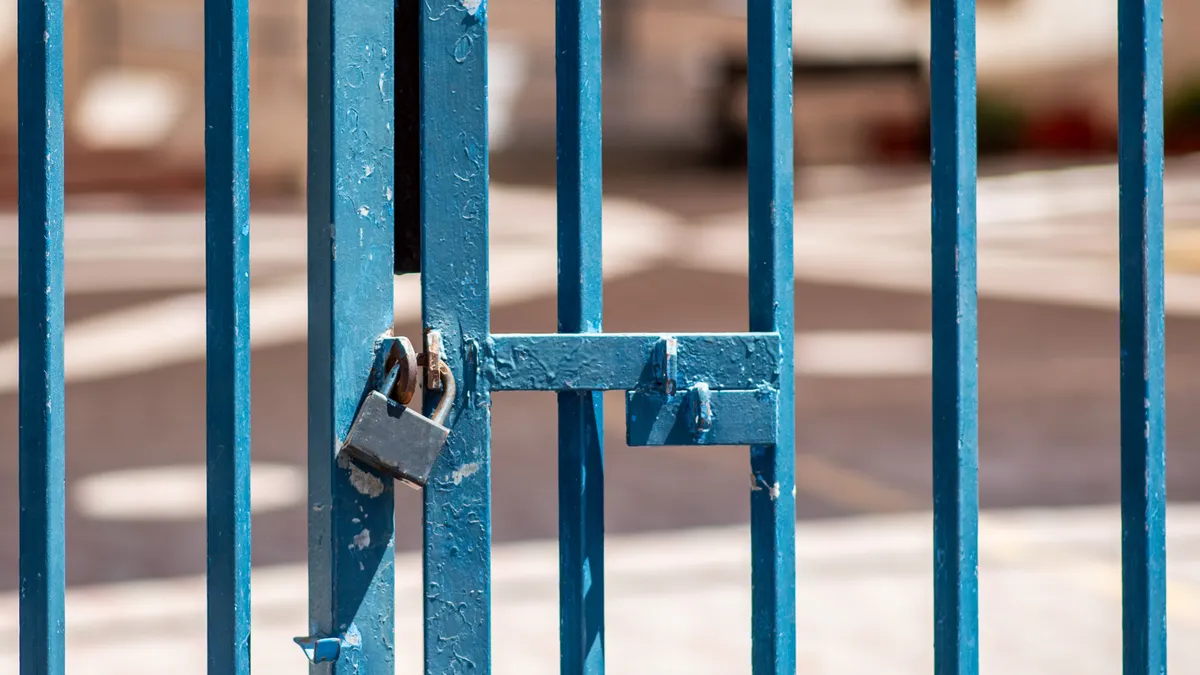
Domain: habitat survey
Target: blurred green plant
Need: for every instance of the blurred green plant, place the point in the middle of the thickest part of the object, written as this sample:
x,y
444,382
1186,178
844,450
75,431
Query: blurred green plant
x,y
1181,116
1000,124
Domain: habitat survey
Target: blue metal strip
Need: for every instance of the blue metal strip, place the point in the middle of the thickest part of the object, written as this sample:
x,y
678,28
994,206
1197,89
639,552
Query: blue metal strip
x,y
350,244
955,384
627,361
580,310
227,187
454,285
736,418
1143,419
42,442
770,153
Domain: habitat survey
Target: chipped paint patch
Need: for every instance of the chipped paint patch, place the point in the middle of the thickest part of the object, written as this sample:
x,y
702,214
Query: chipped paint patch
x,y
362,481
353,637
757,484
362,539
464,471
472,6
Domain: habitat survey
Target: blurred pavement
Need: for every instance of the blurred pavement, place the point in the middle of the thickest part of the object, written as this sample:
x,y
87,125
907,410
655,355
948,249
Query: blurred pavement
x,y
674,261
680,603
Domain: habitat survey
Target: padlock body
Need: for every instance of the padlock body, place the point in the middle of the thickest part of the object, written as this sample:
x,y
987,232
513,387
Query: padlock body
x,y
395,439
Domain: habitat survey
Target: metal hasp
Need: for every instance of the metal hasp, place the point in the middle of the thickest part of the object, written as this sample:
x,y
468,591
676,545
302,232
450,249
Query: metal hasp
x,y
706,412
395,439
683,389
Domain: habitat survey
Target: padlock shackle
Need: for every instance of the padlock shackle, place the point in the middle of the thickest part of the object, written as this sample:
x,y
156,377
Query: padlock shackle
x,y
389,381
442,411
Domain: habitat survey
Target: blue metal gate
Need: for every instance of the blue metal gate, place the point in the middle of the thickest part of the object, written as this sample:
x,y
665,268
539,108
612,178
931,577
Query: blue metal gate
x,y
713,389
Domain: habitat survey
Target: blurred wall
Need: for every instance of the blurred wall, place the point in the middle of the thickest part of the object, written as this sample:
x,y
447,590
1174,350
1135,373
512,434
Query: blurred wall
x,y
134,73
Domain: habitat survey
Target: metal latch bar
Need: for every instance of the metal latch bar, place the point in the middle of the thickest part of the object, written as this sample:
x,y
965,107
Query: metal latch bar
x,y
633,361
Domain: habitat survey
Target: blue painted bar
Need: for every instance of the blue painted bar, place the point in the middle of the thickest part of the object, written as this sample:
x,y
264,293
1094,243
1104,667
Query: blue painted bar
x,y
770,156
627,361
42,443
955,381
454,296
739,418
227,198
1143,415
580,310
351,561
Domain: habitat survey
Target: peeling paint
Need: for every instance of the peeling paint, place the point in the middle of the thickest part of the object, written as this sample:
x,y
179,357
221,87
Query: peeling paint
x,y
353,637
472,6
362,539
757,484
362,481
464,471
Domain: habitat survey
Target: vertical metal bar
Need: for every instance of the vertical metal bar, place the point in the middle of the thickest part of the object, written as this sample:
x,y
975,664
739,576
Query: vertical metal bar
x,y
580,310
773,495
955,382
40,289
350,247
454,296
42,444
1143,420
227,188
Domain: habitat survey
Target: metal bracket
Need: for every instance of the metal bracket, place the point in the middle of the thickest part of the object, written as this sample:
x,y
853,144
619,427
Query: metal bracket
x,y
666,364
700,412
431,359
320,649
324,649
698,415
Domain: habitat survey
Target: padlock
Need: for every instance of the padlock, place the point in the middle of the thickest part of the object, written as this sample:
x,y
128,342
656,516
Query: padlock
x,y
396,439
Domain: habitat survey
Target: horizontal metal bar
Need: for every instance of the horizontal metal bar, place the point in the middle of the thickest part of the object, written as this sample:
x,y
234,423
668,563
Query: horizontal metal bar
x,y
736,417
631,361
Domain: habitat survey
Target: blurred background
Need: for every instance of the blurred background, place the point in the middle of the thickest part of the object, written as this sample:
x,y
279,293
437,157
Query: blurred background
x,y
674,260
